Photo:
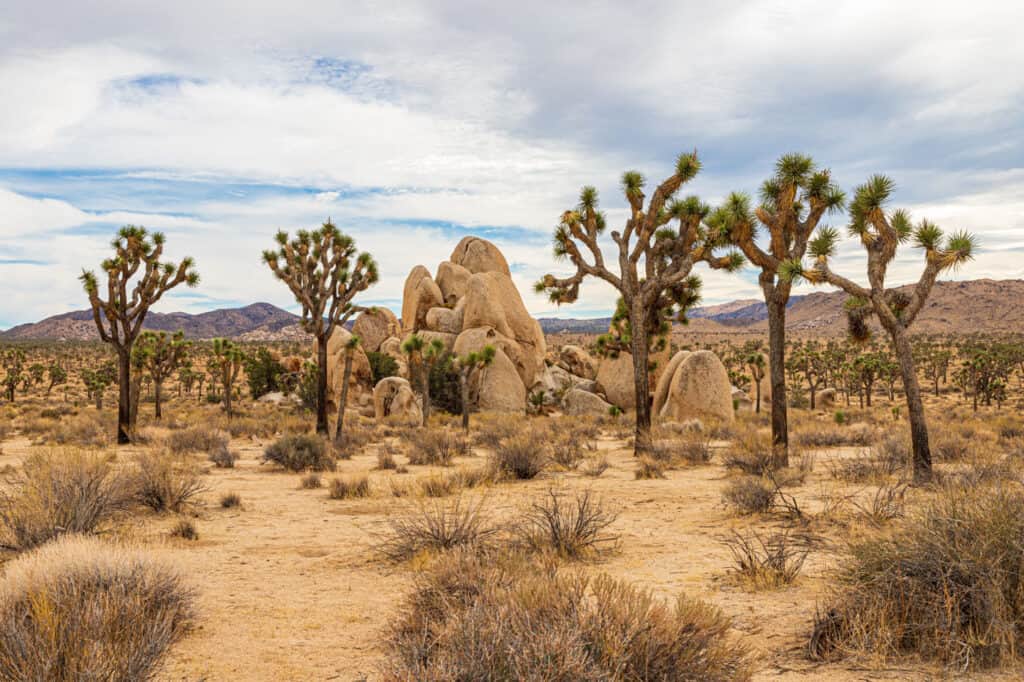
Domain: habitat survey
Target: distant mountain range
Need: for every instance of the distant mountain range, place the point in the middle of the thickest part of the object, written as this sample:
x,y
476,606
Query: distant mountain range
x,y
981,305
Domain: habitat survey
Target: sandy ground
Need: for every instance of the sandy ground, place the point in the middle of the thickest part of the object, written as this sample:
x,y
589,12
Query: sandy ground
x,y
290,586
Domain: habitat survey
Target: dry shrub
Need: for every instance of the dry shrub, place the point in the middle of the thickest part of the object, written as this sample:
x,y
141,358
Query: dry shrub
x,y
648,468
230,500
595,466
386,460
522,456
80,609
568,454
57,492
86,429
185,529
222,457
197,439
951,447
474,477
438,526
570,527
301,452
493,429
767,562
437,447
311,481
163,485
439,485
750,453
836,436
474,618
866,467
749,495
354,486
887,503
947,585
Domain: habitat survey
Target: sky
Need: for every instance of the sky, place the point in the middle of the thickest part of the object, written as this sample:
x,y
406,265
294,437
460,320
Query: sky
x,y
413,124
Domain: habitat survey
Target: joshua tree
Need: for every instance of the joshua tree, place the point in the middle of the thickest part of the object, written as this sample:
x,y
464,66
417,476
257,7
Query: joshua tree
x,y
14,362
807,361
350,349
655,261
467,364
35,374
161,354
793,202
324,273
57,375
755,362
96,381
881,232
225,365
423,355
119,317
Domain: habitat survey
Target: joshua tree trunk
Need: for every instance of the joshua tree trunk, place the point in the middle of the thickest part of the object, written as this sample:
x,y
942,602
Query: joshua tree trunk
x,y
124,401
777,371
812,389
227,400
915,408
639,348
321,386
98,396
757,394
339,431
157,390
425,373
464,397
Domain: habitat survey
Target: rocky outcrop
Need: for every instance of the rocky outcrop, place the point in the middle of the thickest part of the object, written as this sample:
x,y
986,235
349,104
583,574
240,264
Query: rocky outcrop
x,y
577,361
741,402
473,303
665,380
361,378
393,399
699,389
826,399
580,402
374,326
615,380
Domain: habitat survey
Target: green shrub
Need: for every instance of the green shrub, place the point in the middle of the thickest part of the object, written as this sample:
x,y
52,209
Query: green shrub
x,y
301,452
381,366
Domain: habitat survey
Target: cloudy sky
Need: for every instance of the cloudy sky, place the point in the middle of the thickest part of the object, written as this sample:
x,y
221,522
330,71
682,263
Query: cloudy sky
x,y
220,122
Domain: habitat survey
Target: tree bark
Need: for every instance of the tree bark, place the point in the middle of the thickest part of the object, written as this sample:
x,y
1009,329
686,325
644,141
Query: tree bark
x,y
157,389
757,404
339,430
124,401
464,394
321,386
640,349
777,369
922,457
425,370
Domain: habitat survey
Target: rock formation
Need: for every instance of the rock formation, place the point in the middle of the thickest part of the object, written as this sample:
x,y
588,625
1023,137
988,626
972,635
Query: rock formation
x,y
394,399
361,379
374,326
699,389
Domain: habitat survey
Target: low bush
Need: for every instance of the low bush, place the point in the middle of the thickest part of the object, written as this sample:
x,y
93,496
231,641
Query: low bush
x,y
945,586
749,495
222,457
522,456
648,468
163,485
301,452
570,527
474,618
438,526
80,609
230,500
767,563
595,466
345,488
197,439
436,446
185,529
57,492
311,481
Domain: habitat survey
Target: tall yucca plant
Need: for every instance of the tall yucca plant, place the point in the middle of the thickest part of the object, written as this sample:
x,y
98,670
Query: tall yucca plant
x,y
654,266
120,315
324,272
793,201
881,232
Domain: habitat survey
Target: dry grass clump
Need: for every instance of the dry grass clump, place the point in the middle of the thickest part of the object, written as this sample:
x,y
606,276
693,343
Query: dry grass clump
x,y
493,429
437,447
766,562
648,468
946,586
185,529
57,492
80,609
476,618
438,526
197,439
311,481
86,429
750,453
301,452
749,495
230,500
570,527
163,485
439,485
345,488
595,466
831,436
951,447
522,456
222,457
885,504
386,460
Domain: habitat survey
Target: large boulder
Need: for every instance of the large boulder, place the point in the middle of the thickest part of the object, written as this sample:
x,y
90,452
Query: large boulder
x,y
445,320
447,340
374,326
580,402
452,280
576,360
699,389
615,379
479,255
492,300
497,387
361,378
741,401
665,380
392,347
419,295
393,399
825,399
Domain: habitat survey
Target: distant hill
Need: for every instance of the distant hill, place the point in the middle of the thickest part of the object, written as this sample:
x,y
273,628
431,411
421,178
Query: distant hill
x,y
981,305
259,321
